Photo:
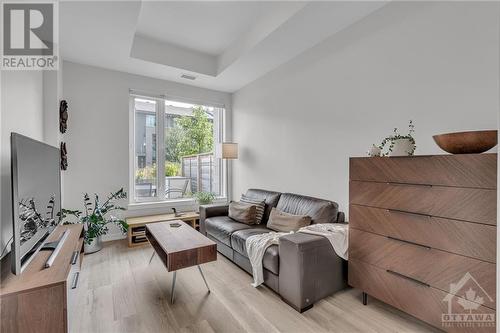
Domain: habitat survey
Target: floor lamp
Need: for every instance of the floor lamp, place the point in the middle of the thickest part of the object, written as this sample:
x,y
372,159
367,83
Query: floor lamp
x,y
229,151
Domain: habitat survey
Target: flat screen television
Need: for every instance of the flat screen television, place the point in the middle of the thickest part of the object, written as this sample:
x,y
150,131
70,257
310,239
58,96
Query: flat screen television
x,y
36,197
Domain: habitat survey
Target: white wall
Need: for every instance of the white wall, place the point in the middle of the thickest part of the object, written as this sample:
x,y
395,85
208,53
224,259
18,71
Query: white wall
x,y
434,63
98,128
52,94
21,112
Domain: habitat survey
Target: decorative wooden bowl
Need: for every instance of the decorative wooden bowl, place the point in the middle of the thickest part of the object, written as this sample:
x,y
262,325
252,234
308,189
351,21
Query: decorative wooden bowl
x,y
473,142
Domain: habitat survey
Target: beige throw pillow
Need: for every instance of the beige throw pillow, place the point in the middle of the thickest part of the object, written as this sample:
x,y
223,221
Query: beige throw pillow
x,y
243,212
285,222
260,205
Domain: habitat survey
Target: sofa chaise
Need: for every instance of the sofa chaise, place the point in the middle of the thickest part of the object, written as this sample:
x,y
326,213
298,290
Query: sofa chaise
x,y
303,268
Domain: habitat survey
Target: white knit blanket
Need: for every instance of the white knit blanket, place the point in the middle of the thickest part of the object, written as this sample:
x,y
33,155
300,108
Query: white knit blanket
x,y
256,247
336,233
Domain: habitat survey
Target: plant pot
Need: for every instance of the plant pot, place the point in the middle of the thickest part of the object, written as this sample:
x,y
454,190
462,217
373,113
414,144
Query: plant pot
x,y
94,246
402,147
374,151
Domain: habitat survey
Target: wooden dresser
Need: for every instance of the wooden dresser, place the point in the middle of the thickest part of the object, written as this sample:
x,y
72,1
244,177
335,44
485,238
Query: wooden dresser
x,y
43,300
423,236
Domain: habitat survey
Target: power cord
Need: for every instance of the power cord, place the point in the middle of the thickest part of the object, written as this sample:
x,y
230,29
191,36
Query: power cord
x,y
5,248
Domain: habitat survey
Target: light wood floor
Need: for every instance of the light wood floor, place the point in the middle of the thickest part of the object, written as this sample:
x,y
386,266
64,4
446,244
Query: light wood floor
x,y
120,292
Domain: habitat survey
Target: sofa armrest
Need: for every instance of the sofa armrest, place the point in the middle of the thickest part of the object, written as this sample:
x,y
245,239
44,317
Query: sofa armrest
x,y
340,217
309,270
207,211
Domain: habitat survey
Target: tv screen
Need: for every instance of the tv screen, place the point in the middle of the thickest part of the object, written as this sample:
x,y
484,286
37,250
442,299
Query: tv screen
x,y
36,196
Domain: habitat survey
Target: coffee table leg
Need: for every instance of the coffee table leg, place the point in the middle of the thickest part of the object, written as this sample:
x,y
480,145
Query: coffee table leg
x,y
152,256
203,276
173,289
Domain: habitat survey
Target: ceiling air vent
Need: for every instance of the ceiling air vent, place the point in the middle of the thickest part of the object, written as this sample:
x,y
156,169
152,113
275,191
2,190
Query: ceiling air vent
x,y
188,77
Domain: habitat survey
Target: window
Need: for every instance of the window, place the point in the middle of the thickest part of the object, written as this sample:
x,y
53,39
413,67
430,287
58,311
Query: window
x,y
174,145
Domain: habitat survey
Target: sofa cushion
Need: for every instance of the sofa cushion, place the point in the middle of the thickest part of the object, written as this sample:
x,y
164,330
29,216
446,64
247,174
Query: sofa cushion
x,y
243,212
271,256
320,210
221,228
271,260
238,238
260,206
286,222
269,197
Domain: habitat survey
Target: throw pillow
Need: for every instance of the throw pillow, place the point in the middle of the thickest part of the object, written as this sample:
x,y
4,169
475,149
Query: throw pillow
x,y
243,212
260,206
285,222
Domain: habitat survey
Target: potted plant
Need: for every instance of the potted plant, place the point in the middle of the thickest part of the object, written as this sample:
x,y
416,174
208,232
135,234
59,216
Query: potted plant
x,y
399,145
204,198
95,218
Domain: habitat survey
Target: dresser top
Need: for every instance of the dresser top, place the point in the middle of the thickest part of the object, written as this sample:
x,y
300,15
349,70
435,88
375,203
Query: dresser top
x,y
465,170
449,156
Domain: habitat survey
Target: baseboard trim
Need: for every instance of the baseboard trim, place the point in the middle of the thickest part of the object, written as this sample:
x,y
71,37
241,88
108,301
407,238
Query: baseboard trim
x,y
112,237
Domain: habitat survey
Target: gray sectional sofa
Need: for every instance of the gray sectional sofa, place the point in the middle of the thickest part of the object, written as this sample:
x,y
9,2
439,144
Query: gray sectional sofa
x,y
303,268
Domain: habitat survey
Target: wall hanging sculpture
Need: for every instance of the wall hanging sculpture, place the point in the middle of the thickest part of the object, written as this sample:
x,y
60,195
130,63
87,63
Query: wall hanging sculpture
x,y
63,116
64,156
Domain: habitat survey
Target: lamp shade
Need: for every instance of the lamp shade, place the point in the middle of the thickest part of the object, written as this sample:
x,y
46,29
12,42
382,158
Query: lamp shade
x,y
229,150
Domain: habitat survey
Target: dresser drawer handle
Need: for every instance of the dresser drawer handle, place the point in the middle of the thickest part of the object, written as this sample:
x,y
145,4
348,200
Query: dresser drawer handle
x,y
74,257
405,184
408,213
408,242
407,278
75,280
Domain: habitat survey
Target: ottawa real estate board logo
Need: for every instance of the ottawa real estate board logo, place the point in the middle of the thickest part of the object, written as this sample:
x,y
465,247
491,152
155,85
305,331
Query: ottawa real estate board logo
x,y
29,36
469,305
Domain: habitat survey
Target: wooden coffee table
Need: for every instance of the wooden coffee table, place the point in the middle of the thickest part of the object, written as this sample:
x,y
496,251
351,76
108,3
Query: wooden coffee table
x,y
180,247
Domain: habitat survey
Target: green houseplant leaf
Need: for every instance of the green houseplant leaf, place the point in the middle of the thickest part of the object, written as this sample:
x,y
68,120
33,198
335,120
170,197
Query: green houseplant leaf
x,y
96,219
204,198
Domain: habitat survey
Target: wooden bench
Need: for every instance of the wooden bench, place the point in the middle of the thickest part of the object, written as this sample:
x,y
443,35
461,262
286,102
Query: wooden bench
x,y
136,234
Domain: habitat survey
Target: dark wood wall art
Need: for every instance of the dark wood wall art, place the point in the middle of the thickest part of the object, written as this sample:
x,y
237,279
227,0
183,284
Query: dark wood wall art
x,y
63,126
64,156
63,116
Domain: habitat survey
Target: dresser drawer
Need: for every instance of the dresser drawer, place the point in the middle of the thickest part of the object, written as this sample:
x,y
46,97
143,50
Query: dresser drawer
x,y
469,239
437,268
471,170
426,303
72,283
468,204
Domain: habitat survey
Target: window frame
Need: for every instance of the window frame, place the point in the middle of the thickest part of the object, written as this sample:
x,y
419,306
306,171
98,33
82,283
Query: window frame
x,y
157,201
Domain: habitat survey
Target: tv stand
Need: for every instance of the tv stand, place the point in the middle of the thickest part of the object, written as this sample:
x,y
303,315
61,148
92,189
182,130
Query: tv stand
x,y
44,299
55,247
51,246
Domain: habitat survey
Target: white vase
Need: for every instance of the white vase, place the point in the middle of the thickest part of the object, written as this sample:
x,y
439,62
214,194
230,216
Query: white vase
x,y
402,147
374,151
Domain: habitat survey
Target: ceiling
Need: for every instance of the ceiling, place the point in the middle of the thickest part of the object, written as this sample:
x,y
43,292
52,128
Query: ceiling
x,y
225,45
207,27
